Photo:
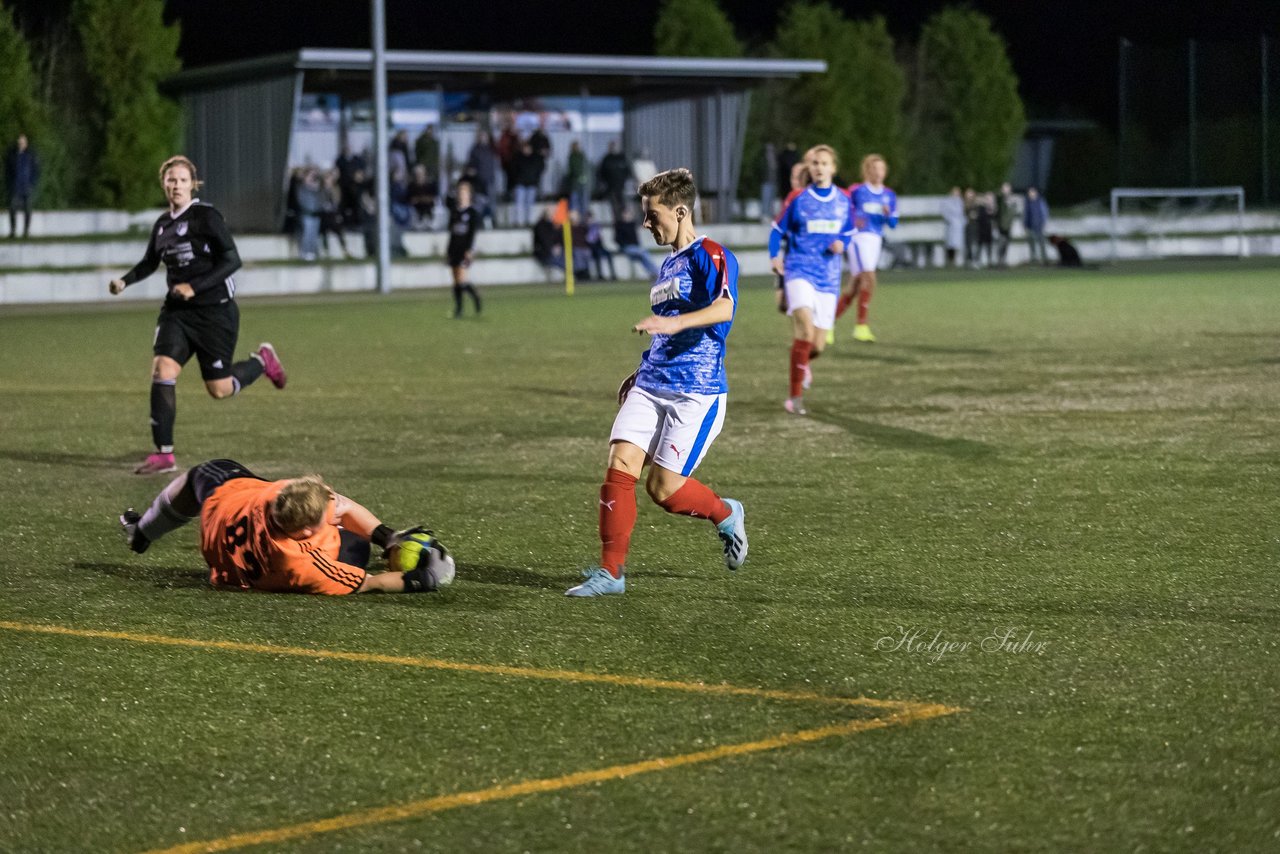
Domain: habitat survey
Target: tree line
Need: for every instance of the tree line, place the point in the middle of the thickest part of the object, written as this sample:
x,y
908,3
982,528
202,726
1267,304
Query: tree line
x,y
81,78
944,110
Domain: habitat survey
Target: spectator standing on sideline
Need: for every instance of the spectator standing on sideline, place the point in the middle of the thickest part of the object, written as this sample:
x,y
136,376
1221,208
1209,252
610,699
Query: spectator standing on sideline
x,y
21,173
1035,218
508,147
528,175
986,215
331,215
599,254
426,150
483,167
628,240
953,218
310,207
578,179
200,317
1006,214
401,158
971,204
615,169
348,165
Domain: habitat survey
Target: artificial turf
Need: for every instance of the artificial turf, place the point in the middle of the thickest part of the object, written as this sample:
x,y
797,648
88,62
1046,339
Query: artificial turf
x,y
1083,464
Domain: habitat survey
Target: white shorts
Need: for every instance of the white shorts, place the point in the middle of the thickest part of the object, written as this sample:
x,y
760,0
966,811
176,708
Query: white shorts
x,y
802,294
864,252
674,428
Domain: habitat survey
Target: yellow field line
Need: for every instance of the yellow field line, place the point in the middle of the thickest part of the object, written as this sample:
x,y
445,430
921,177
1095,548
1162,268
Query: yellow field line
x,y
721,690
399,812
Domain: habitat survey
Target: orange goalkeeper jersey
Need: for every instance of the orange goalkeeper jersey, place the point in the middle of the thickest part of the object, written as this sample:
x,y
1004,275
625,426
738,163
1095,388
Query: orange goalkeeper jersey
x,y
242,552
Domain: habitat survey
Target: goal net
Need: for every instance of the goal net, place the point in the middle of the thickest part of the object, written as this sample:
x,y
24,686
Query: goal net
x,y
1163,222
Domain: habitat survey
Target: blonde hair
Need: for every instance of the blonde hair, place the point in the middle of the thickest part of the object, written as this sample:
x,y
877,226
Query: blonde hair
x,y
301,503
868,160
817,149
671,188
181,160
800,177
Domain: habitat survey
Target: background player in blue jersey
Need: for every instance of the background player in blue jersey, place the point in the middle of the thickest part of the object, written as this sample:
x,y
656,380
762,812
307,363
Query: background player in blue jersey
x,y
673,406
875,206
815,223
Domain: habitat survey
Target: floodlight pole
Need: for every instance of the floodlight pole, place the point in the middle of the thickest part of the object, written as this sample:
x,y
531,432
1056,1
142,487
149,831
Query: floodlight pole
x,y
381,159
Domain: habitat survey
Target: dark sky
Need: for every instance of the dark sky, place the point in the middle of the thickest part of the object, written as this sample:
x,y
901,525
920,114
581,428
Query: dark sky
x,y
1064,52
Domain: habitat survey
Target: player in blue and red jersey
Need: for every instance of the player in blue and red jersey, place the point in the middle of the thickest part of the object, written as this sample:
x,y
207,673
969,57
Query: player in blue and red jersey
x,y
875,206
816,224
673,406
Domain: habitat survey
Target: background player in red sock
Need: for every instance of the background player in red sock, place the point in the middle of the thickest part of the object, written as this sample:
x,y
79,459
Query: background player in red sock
x,y
874,207
815,224
673,406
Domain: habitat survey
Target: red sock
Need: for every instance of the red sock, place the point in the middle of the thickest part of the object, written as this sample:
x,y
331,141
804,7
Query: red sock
x,y
697,500
799,360
864,299
617,519
846,300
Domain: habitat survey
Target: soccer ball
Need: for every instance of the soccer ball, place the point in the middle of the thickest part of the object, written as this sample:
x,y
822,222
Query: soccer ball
x,y
423,550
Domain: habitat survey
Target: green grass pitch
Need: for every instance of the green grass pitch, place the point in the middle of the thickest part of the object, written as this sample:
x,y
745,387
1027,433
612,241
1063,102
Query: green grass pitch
x,y
1085,464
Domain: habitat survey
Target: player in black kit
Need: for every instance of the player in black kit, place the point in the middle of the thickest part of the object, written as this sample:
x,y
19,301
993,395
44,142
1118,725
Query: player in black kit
x,y
200,316
463,219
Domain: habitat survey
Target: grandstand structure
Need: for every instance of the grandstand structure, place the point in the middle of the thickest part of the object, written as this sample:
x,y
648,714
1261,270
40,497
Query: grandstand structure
x,y
241,116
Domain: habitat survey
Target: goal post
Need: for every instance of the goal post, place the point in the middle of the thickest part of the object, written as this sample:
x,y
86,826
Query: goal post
x,y
1167,210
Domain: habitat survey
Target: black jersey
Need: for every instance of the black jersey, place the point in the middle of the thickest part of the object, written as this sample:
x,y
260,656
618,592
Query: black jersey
x,y
462,230
197,249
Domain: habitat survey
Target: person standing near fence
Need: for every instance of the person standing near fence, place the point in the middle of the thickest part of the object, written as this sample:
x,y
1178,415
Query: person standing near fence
x,y
21,172
1035,218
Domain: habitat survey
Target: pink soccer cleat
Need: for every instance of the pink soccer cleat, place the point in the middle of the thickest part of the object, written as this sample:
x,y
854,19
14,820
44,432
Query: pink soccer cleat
x,y
807,381
271,365
795,405
157,463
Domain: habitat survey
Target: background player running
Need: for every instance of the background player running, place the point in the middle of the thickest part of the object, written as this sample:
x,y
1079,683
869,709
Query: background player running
x,y
200,316
284,536
673,406
874,207
815,224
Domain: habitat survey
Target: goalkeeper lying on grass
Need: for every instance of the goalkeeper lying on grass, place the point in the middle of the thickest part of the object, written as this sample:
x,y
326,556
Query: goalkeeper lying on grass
x,y
287,536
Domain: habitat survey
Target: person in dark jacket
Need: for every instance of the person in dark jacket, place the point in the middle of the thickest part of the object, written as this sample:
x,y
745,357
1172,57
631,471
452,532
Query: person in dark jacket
x,y
200,317
21,172
614,171
1035,217
527,174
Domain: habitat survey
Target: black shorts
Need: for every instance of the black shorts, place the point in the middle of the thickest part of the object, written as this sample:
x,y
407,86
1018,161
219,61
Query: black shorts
x,y
204,478
208,332
457,257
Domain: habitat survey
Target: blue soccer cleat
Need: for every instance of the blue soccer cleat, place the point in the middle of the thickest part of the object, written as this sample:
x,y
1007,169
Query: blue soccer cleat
x,y
600,582
733,533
